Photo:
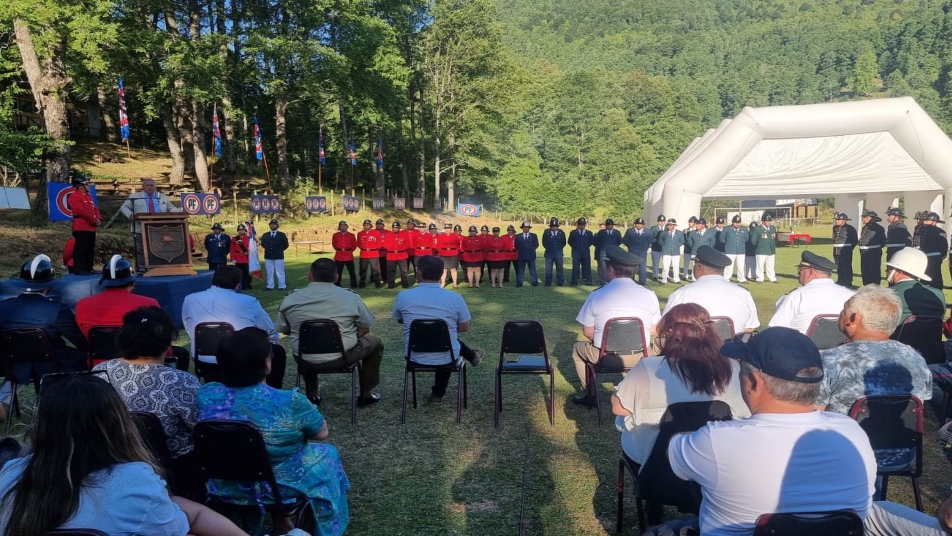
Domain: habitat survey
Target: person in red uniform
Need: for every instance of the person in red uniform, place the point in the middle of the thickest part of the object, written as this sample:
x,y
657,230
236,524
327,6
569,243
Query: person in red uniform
x,y
68,254
422,245
473,257
412,233
484,236
448,251
433,240
239,254
511,254
494,249
344,243
369,242
86,219
381,229
397,243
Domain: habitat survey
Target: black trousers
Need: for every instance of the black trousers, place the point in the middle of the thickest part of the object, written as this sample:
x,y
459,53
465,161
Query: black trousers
x,y
84,251
384,269
443,377
392,268
934,270
505,273
870,266
844,267
350,270
374,264
245,275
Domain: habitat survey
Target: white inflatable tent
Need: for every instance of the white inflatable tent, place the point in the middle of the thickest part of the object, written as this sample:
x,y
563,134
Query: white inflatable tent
x,y
865,154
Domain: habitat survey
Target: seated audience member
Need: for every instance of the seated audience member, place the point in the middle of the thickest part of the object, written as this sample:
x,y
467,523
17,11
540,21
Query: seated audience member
x,y
430,301
323,299
689,369
34,309
870,363
291,426
903,274
223,303
89,468
145,384
817,295
621,296
68,254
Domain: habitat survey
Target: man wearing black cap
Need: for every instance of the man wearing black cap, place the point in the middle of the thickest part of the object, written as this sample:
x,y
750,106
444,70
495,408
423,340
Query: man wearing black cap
x,y
817,295
844,240
620,297
526,245
344,243
897,235
734,239
638,240
933,242
581,240
86,220
274,243
609,236
217,244
764,240
655,232
688,250
553,242
671,241
397,243
712,292
369,242
718,229
871,243
816,461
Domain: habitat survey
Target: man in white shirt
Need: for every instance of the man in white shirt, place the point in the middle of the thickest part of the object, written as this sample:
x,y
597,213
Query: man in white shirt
x,y
712,292
621,297
223,303
817,295
148,201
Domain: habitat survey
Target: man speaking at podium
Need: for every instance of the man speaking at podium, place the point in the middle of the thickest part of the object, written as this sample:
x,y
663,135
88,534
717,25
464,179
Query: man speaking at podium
x,y
148,201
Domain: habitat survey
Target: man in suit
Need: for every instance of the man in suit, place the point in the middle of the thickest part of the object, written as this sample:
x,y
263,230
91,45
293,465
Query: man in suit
x,y
655,233
844,240
734,241
718,229
609,236
688,251
526,246
218,245
671,241
553,242
638,240
581,240
872,240
764,240
148,201
274,242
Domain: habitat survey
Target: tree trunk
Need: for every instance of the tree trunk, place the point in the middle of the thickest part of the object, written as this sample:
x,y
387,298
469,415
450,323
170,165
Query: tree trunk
x,y
108,124
451,179
183,121
228,146
281,138
421,163
175,145
436,154
199,135
346,143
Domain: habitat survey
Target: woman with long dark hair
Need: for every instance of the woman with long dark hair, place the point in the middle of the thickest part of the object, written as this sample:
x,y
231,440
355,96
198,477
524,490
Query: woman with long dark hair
x,y
88,468
689,369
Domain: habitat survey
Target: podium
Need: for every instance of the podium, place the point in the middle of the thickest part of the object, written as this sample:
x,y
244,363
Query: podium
x,y
165,244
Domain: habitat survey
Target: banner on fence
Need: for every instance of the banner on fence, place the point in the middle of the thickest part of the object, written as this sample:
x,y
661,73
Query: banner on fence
x,y
58,194
197,204
351,203
467,209
399,203
265,204
379,203
418,203
315,203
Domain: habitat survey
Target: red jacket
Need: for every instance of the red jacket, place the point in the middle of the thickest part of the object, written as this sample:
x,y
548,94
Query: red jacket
x,y
447,244
369,243
397,245
424,244
239,249
383,240
495,248
85,213
68,252
512,254
472,249
108,307
411,241
344,246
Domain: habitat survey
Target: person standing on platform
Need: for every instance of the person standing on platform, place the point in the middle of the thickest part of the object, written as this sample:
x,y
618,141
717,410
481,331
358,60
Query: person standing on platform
x,y
473,257
765,247
512,256
526,245
655,232
274,243
553,242
86,220
218,245
381,228
397,243
734,241
240,245
897,235
844,240
688,251
581,240
871,243
933,242
638,240
369,242
609,236
718,229
671,241
148,201
449,253
344,243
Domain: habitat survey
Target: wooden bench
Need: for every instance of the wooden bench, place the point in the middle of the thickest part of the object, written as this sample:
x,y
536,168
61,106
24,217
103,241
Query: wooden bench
x,y
308,239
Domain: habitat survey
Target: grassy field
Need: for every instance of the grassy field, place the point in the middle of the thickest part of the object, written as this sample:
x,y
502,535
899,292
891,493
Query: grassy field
x,y
435,477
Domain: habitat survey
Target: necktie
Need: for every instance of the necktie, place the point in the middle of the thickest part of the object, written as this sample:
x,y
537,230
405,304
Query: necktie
x,y
151,204
274,234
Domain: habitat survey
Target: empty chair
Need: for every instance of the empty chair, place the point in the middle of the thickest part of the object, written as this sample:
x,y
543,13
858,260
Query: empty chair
x,y
323,337
835,523
23,350
207,337
621,336
521,337
825,331
102,344
924,333
432,336
724,326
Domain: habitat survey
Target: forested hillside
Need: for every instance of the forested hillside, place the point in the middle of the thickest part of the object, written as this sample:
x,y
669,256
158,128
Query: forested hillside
x,y
548,106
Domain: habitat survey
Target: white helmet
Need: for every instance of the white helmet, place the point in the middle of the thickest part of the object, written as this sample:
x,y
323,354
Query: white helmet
x,y
912,261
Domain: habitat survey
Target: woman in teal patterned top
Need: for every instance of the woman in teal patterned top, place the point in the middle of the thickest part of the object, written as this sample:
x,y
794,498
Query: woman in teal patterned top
x,y
291,427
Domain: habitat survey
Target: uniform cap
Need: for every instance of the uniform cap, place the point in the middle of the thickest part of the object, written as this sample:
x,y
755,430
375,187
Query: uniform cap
x,y
395,224
895,211
932,216
554,222
458,226
736,219
766,217
810,259
912,261
79,180
841,216
37,274
581,221
484,228
432,226
117,273
447,225
381,222
661,217
672,221
779,352
609,221
342,222
709,256
873,215
701,221
368,222
692,219
639,220
526,224
411,220
217,226
617,255
472,228
274,221
495,229
720,219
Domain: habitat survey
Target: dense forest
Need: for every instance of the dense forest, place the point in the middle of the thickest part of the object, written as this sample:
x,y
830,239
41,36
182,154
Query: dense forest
x,y
541,106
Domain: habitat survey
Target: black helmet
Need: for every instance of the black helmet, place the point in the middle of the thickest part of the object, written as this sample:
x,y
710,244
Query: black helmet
x,y
554,222
342,222
609,221
457,227
368,222
511,228
472,228
736,219
37,274
395,224
692,219
766,217
639,220
484,228
381,222
581,221
79,180
895,211
117,272
661,217
217,226
720,220
702,221
932,216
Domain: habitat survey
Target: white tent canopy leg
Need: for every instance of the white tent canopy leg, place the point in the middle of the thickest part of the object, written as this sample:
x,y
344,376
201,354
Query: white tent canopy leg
x,y
852,205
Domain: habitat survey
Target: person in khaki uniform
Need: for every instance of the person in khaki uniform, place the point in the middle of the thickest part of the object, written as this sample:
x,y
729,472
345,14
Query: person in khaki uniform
x,y
322,299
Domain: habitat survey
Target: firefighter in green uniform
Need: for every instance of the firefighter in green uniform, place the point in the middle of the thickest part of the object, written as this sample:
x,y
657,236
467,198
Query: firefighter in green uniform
x,y
764,240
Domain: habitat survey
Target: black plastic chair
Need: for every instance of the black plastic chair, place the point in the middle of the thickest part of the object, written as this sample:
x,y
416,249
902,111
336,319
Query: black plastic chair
x,y
432,336
833,523
30,346
323,337
523,337
235,450
894,427
924,334
655,481
208,336
724,326
825,331
152,433
76,532
620,336
102,344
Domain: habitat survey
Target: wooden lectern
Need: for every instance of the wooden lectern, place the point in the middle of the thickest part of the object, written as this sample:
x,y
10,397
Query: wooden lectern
x,y
165,244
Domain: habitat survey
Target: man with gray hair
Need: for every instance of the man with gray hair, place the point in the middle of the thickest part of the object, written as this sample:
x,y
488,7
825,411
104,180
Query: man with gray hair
x,y
871,364
148,201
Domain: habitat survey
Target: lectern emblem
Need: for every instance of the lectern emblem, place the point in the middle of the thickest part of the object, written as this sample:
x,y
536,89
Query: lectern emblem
x,y
166,242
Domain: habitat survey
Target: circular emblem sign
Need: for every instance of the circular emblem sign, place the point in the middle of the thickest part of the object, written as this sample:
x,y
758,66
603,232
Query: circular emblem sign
x,y
211,204
191,204
256,204
468,210
62,201
276,204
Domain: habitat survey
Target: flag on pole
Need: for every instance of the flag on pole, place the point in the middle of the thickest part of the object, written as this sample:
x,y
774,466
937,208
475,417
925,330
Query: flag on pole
x,y
259,151
379,152
353,154
320,145
254,264
123,115
216,130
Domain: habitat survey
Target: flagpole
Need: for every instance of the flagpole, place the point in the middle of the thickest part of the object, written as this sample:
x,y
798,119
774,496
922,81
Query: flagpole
x,y
264,158
211,165
128,149
320,190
